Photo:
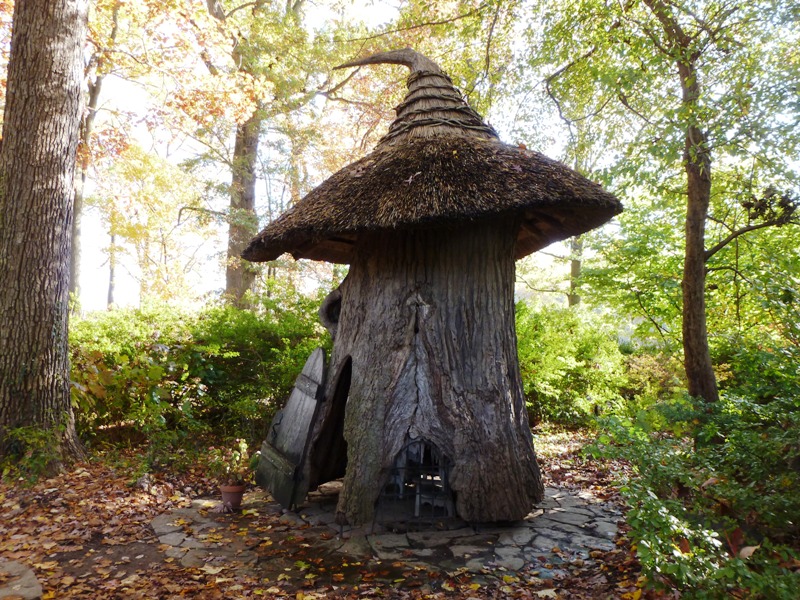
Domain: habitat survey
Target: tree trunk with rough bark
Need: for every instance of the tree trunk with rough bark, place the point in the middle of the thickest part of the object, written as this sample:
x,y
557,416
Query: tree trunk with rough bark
x,y
37,166
242,219
427,338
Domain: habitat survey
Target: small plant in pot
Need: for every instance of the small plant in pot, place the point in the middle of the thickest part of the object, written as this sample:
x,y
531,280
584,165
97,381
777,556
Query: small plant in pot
x,y
231,467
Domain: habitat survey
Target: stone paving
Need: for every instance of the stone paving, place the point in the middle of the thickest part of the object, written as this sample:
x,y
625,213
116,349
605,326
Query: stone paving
x,y
567,528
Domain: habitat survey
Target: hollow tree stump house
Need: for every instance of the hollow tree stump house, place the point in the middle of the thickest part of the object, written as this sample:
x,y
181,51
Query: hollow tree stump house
x,y
424,355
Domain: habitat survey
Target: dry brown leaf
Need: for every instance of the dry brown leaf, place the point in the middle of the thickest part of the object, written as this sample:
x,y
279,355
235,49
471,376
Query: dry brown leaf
x,y
747,551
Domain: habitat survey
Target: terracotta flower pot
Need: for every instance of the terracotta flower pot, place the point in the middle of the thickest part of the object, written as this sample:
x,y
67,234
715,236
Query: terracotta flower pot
x,y
232,495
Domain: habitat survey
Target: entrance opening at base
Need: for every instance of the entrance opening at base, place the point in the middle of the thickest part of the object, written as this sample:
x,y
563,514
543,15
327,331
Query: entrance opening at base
x,y
417,492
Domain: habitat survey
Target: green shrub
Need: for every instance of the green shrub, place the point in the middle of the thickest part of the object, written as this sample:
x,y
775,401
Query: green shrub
x,y
30,453
570,365
172,375
758,366
714,480
652,379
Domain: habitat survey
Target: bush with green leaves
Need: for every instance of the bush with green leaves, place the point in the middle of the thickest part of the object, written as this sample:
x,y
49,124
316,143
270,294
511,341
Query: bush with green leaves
x,y
30,453
570,364
757,364
715,498
170,375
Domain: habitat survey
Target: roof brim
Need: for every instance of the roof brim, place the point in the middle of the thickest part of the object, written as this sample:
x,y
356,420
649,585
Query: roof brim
x,y
439,181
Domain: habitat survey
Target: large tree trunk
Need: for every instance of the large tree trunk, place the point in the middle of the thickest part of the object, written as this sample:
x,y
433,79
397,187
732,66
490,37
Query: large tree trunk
x,y
427,318
242,219
37,165
702,382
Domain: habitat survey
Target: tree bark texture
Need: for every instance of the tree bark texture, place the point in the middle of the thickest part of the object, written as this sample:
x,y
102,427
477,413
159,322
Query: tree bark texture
x,y
242,219
37,166
427,318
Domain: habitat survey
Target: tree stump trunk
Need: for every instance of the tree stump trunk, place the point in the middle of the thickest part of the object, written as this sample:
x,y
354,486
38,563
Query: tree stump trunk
x,y
427,318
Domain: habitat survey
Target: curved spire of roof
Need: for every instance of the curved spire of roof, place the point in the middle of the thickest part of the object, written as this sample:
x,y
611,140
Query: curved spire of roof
x,y
432,107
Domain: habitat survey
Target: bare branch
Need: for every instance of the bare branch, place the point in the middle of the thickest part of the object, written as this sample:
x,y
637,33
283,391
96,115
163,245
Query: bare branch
x,y
208,211
661,331
407,57
421,25
489,41
736,271
624,100
556,74
739,232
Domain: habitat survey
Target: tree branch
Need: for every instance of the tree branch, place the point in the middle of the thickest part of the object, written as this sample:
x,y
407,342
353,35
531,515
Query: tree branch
x,y
739,232
661,331
421,25
489,41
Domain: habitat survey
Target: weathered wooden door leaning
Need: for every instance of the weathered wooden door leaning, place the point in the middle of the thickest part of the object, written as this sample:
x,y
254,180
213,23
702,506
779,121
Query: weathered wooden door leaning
x,y
422,399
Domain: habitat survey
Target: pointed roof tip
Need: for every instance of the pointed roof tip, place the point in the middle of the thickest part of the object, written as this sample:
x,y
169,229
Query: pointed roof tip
x,y
407,57
433,105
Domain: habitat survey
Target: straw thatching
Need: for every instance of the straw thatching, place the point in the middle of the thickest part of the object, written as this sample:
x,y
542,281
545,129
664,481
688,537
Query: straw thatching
x,y
439,165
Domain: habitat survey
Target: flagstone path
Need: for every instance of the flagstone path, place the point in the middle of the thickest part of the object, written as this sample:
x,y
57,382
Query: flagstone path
x,y
567,529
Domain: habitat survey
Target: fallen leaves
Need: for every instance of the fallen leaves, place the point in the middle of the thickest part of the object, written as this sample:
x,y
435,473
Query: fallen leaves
x,y
94,541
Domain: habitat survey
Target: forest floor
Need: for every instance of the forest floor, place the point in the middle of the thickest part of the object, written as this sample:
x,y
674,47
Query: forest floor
x,y
88,533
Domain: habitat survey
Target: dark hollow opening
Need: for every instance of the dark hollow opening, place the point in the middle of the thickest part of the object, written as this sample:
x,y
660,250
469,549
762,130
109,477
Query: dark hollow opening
x,y
329,454
417,491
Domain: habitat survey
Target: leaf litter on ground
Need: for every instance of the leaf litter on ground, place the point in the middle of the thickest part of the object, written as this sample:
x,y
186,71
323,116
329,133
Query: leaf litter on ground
x,y
86,533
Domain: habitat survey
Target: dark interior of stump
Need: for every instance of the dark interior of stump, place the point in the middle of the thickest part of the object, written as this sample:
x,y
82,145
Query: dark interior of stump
x,y
417,493
329,454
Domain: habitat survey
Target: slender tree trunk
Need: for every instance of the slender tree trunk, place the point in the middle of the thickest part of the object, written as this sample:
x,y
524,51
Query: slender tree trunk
x,y
80,187
696,355
243,222
427,318
37,166
575,263
112,272
87,125
697,163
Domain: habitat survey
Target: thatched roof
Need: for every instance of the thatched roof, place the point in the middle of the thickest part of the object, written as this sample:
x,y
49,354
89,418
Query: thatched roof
x,y
438,165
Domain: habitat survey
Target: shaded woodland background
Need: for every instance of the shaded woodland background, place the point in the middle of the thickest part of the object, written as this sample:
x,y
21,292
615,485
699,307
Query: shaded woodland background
x,y
237,112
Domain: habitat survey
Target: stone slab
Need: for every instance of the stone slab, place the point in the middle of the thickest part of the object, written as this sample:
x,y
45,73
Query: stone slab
x,y
164,524
172,539
467,551
22,581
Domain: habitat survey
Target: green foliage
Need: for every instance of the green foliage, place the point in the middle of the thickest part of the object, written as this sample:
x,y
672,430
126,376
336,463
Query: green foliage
x,y
715,495
569,364
30,453
173,375
230,465
652,379
760,367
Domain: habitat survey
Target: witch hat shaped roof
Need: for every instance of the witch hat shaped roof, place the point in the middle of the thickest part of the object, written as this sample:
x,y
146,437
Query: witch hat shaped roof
x,y
439,164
